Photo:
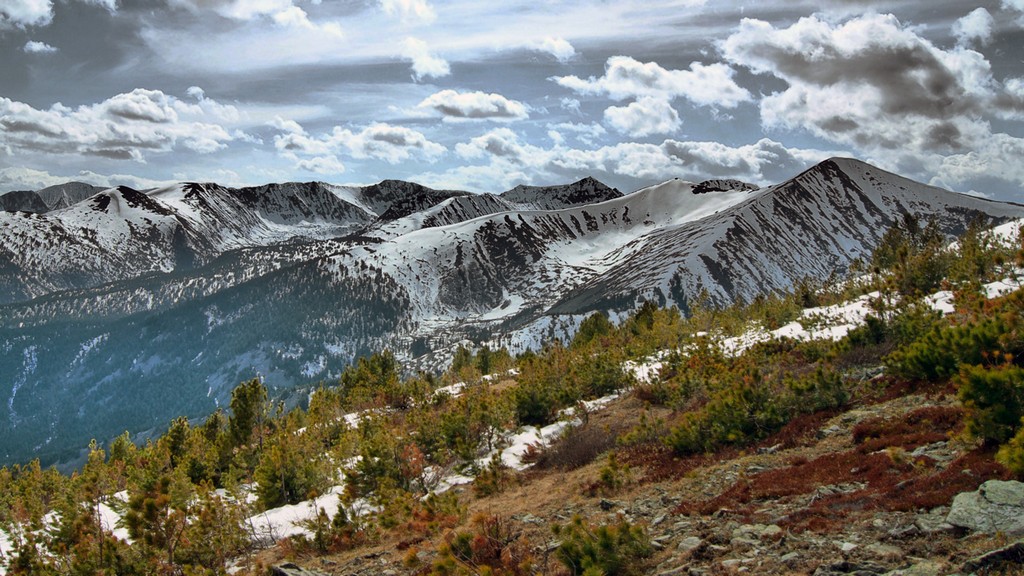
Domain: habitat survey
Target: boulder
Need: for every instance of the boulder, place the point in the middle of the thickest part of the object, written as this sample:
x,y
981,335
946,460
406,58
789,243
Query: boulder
x,y
290,569
1012,555
997,506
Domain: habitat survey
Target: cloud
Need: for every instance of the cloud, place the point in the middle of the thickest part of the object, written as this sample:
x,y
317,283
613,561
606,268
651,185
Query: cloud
x,y
648,115
561,49
871,83
974,27
653,88
424,63
507,159
587,134
295,17
454,105
131,126
1015,6
624,78
570,104
322,165
410,11
283,13
378,141
109,5
25,13
23,178
33,47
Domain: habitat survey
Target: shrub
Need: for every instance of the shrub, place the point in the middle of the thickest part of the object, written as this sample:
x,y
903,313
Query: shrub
x,y
1011,454
493,547
493,478
993,400
612,550
579,446
940,352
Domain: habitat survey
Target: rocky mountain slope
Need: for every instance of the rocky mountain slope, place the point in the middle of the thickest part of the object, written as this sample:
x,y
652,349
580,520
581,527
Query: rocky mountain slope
x,y
178,294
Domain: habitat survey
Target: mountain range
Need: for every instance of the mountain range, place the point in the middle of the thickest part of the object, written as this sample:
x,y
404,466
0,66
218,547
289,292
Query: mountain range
x,y
120,308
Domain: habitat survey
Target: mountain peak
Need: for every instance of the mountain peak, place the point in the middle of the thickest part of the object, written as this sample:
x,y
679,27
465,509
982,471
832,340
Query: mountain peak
x,y
585,191
723,185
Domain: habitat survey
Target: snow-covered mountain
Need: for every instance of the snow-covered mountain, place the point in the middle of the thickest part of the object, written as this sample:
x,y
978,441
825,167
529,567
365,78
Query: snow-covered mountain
x,y
141,306
47,199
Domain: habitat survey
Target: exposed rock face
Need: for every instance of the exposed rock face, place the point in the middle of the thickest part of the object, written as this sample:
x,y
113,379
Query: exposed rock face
x,y
997,506
290,569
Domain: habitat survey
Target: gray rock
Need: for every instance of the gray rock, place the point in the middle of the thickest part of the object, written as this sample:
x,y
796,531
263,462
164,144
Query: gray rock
x,y
1010,555
689,544
885,551
926,568
849,569
289,569
997,506
934,521
758,531
790,559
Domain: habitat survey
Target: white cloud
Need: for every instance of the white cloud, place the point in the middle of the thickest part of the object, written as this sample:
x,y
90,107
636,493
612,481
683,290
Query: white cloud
x,y
131,125
379,141
474,106
624,78
295,17
508,160
410,11
570,104
871,83
560,48
424,63
587,134
974,27
33,47
284,13
998,157
1015,6
109,5
22,178
23,13
648,115
322,165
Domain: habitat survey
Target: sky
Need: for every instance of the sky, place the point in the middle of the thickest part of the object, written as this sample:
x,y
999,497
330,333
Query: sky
x,y
484,96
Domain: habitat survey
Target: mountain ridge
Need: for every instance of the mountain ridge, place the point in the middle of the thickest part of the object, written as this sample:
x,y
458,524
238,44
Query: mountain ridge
x,y
305,277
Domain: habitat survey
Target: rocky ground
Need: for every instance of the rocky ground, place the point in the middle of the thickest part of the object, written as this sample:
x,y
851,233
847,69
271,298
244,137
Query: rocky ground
x,y
889,486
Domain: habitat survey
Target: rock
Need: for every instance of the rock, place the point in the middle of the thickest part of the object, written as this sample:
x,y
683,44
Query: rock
x,y
847,547
741,543
289,569
997,506
849,568
689,544
904,531
885,551
790,559
941,452
1010,555
758,531
926,568
934,521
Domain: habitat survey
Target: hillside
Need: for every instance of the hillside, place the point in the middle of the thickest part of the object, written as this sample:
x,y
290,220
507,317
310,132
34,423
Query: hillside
x,y
180,293
871,426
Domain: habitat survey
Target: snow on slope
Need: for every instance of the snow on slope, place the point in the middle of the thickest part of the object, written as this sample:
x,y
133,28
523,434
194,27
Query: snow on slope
x,y
493,266
811,226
